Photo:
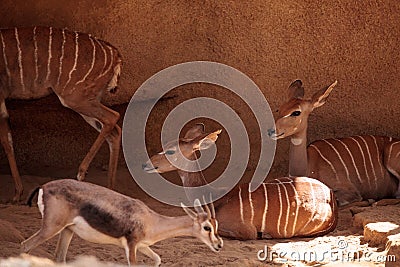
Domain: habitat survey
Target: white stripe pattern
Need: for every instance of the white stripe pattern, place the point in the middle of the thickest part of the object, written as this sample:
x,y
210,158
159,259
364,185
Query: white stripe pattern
x,y
287,210
326,210
340,158
61,58
36,57
5,59
370,160
265,208
314,205
251,206
241,205
105,58
75,60
296,199
280,211
352,159
110,65
21,70
93,61
49,52
379,159
363,157
326,160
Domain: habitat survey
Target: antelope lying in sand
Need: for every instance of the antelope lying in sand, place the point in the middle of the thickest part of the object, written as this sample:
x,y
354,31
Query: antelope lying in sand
x,y
282,208
100,215
77,67
356,168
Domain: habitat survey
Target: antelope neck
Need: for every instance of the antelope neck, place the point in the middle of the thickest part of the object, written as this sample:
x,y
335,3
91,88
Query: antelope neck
x,y
192,179
168,227
298,154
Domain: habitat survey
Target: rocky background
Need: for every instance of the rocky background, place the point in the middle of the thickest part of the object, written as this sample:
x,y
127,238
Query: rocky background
x,y
273,42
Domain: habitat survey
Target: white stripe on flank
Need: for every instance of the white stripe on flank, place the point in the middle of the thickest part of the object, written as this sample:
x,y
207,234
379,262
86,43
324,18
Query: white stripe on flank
x,y
398,153
61,57
50,55
390,150
340,158
93,61
5,59
364,162
280,211
111,63
287,210
326,160
75,60
370,160
265,209
21,70
105,57
251,206
352,159
325,210
378,154
241,204
35,54
296,198
314,208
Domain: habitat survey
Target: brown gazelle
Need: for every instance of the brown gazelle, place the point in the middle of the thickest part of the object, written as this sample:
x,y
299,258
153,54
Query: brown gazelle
x,y
77,67
281,208
356,168
103,216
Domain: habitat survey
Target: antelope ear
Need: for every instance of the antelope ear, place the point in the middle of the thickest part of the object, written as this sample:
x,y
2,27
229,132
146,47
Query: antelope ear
x,y
195,131
189,212
207,141
296,90
319,98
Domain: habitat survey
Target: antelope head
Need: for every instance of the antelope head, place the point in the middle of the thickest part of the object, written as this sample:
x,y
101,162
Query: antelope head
x,y
194,140
293,115
205,226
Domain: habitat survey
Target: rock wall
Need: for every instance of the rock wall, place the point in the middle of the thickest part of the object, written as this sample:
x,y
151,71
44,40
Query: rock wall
x,y
273,42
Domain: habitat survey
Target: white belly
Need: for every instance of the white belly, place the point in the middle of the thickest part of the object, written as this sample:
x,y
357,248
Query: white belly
x,y
85,231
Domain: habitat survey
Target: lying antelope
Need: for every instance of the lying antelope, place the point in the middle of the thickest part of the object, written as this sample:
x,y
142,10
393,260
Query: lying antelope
x,y
77,67
100,215
356,168
282,208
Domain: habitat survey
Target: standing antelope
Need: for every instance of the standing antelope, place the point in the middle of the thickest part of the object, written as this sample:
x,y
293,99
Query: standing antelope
x,y
100,215
282,208
77,67
356,168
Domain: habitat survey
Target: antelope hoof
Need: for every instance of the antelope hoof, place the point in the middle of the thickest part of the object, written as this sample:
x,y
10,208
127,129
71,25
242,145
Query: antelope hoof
x,y
81,175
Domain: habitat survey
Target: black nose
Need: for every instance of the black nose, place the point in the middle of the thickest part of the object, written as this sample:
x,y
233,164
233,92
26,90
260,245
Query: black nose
x,y
271,131
144,165
219,246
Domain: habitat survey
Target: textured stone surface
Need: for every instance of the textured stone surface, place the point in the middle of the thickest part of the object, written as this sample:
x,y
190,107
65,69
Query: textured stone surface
x,y
273,42
394,251
381,226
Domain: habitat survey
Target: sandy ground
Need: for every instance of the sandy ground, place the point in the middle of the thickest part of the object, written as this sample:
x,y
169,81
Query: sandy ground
x,y
336,249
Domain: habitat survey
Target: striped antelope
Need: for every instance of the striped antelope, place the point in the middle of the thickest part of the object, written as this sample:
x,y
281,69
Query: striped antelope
x,y
103,216
282,208
77,67
356,168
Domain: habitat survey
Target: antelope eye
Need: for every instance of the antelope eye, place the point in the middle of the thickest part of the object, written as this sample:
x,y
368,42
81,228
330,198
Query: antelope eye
x,y
207,228
170,152
295,113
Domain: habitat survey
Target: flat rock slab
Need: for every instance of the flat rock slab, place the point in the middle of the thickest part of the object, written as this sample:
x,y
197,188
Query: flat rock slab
x,y
381,226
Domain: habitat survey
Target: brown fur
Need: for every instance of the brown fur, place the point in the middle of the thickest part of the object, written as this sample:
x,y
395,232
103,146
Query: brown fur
x,y
78,68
